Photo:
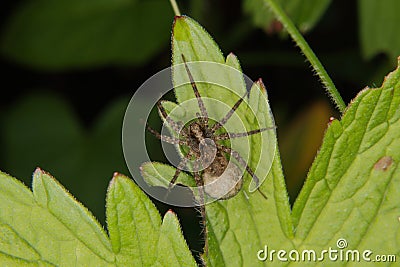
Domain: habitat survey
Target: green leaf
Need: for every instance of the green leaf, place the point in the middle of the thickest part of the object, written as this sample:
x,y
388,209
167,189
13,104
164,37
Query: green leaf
x,y
242,225
48,227
305,14
155,174
172,248
76,34
220,86
352,190
136,231
379,23
232,238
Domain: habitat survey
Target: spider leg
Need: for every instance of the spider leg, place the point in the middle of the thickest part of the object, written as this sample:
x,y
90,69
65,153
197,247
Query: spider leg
x,y
221,123
225,136
196,93
168,139
178,170
200,186
176,126
241,161
262,194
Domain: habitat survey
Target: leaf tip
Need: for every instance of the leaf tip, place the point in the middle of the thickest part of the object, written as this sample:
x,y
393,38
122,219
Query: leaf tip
x,y
142,168
116,176
169,216
179,17
391,74
260,81
171,212
331,119
38,169
177,20
260,84
231,56
181,30
39,173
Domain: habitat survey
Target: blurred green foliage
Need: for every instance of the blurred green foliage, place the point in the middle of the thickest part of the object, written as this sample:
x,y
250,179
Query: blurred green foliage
x,y
300,141
129,40
305,14
379,27
77,34
41,130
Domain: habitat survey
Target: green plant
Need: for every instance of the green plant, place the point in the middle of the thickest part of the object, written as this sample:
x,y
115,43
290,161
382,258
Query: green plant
x,y
351,192
75,34
49,227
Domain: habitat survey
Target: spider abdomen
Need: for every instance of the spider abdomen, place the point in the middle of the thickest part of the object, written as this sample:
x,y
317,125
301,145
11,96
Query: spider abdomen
x,y
222,181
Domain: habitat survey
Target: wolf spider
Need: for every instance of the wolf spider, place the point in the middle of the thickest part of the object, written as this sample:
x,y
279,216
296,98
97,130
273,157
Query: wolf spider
x,y
204,145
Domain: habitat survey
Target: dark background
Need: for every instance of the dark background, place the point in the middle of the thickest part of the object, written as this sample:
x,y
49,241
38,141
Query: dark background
x,y
67,119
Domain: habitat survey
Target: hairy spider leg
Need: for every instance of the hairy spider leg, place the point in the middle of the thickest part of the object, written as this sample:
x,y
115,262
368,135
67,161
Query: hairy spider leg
x,y
178,170
225,136
176,125
198,180
181,164
200,186
200,102
221,123
168,139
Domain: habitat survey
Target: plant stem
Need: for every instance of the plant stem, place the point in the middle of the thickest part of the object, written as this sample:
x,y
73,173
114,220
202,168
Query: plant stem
x,y
175,7
307,51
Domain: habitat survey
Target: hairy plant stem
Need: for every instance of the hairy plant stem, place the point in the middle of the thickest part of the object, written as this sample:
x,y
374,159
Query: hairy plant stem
x,y
175,7
307,51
